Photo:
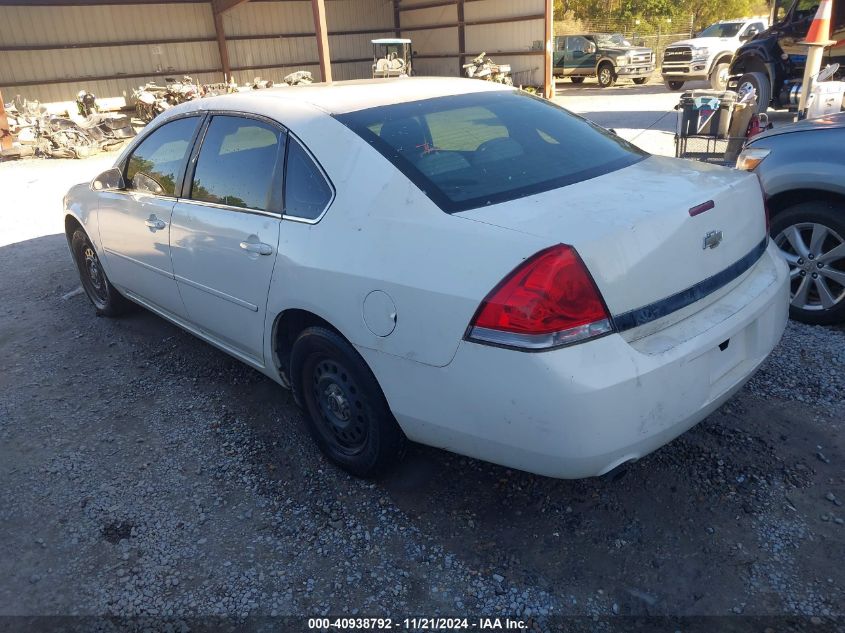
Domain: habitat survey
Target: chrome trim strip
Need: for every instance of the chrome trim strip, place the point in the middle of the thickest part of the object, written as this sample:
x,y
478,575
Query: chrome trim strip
x,y
164,273
217,293
228,207
540,342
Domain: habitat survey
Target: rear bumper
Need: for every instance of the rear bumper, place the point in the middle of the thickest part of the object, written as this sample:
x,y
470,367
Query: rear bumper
x,y
583,410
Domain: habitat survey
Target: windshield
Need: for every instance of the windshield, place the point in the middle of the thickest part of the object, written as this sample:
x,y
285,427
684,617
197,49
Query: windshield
x,y
721,30
615,39
471,150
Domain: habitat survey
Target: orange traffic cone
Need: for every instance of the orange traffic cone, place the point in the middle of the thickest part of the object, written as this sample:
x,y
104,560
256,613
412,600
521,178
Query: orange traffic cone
x,y
819,32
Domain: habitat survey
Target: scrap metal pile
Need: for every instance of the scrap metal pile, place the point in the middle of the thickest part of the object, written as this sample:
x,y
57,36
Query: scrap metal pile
x,y
482,67
40,133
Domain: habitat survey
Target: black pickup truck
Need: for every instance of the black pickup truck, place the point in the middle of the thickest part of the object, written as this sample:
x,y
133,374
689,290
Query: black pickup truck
x,y
773,61
603,55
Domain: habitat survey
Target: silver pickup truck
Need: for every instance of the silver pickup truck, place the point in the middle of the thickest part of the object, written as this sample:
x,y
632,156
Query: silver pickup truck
x,y
708,55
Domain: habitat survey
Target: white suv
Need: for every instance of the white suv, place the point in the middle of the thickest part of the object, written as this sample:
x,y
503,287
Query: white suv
x,y
708,56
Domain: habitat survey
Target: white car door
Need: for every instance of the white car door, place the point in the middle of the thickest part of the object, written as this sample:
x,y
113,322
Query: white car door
x,y
225,230
135,222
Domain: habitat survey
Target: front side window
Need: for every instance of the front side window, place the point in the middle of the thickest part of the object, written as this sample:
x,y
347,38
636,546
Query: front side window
x,y
237,164
307,193
157,163
472,150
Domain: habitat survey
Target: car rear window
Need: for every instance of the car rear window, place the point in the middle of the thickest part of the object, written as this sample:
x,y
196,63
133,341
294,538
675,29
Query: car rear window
x,y
472,150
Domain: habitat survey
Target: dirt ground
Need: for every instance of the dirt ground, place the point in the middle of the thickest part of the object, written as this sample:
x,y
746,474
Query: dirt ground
x,y
146,473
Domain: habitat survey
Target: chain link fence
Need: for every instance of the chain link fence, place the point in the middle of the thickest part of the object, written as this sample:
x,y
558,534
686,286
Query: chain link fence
x,y
656,34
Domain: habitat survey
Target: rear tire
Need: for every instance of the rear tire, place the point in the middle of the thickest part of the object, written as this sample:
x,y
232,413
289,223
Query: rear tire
x,y
606,75
105,298
576,80
674,85
760,82
346,412
818,229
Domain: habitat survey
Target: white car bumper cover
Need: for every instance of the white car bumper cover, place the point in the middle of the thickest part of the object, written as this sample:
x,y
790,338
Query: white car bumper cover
x,y
581,411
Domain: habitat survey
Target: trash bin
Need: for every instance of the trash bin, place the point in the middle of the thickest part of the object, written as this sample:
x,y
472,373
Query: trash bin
x,y
706,113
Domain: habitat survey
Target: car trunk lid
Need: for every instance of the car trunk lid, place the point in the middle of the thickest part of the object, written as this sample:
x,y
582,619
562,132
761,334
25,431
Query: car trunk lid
x,y
656,236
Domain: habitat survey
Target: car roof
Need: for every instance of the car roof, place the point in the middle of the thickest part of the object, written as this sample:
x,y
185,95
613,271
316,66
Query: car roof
x,y
340,97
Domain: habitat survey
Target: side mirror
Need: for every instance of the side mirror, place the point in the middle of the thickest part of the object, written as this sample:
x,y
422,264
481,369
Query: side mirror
x,y
591,48
110,180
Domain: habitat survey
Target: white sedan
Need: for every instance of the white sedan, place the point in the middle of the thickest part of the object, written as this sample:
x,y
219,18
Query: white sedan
x,y
446,261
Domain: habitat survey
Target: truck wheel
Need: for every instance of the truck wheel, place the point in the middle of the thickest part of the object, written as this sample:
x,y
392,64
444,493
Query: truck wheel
x,y
674,85
640,80
576,80
760,83
606,75
719,76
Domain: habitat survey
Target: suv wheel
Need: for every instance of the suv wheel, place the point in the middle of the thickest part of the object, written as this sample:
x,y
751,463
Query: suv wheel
x,y
719,76
760,83
674,85
576,80
606,75
811,237
345,410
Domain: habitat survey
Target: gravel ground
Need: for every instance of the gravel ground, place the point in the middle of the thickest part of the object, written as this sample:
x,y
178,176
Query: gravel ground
x,y
146,473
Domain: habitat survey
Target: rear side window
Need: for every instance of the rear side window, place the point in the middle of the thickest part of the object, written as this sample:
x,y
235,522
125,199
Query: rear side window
x,y
307,193
473,150
237,164
157,163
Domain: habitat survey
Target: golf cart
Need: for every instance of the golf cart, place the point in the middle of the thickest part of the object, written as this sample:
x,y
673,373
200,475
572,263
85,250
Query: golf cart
x,y
391,58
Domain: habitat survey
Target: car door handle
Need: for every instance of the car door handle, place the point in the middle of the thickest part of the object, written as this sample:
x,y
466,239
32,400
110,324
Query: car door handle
x,y
154,224
257,247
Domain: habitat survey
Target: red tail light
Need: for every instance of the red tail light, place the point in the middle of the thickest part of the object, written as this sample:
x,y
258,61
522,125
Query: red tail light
x,y
550,300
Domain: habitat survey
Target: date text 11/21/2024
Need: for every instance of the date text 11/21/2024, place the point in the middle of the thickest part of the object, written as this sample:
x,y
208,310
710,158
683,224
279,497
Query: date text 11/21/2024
x,y
416,624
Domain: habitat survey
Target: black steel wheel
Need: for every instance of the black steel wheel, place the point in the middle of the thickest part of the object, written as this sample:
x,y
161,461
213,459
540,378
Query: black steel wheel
x,y
346,412
95,283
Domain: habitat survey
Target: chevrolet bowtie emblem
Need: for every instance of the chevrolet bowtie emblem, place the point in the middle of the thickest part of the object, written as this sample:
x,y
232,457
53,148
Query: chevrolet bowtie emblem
x,y
712,239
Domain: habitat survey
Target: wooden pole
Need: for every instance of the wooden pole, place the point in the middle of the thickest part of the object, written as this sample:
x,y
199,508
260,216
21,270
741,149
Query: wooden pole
x,y
321,32
5,132
222,47
548,74
397,19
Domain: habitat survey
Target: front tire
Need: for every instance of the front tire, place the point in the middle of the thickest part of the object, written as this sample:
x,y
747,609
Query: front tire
x,y
760,83
346,412
719,76
811,237
640,80
674,86
606,75
105,298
